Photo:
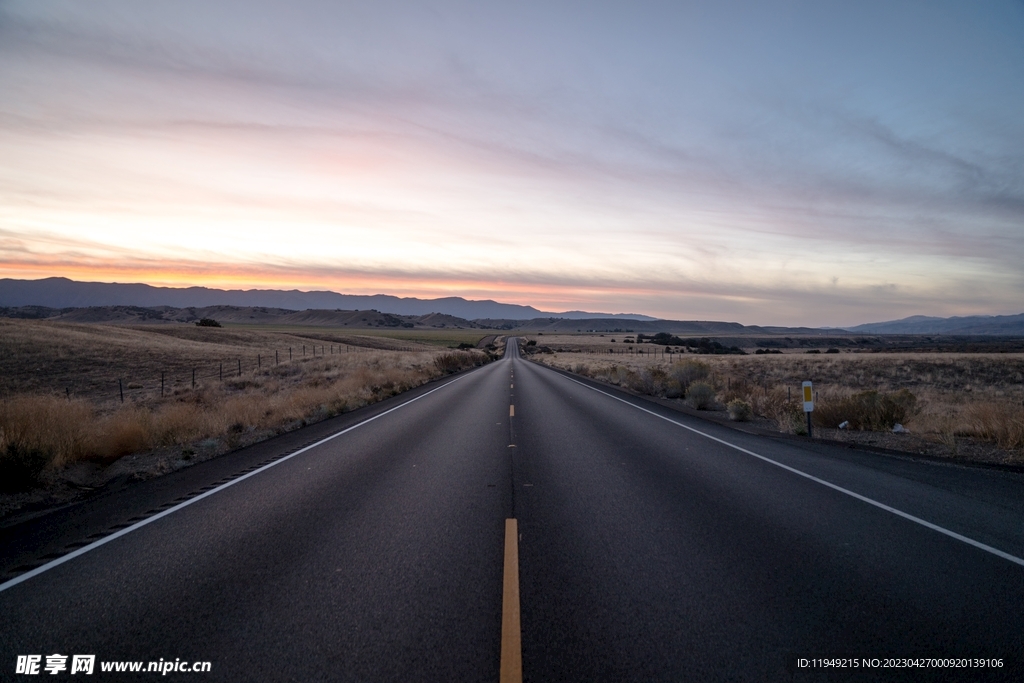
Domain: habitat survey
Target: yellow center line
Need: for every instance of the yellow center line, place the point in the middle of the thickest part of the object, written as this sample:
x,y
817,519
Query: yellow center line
x,y
511,634
511,411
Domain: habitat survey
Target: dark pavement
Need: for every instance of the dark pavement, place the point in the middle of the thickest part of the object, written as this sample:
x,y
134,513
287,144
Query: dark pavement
x,y
647,552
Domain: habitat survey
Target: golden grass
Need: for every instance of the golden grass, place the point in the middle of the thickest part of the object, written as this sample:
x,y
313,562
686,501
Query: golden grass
x,y
51,429
88,360
390,337
970,394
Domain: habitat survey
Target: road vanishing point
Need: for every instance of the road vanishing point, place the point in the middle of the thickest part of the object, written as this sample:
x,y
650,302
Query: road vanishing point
x,y
519,523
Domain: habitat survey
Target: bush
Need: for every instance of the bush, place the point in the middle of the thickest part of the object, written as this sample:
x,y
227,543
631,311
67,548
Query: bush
x,y
207,322
449,363
790,417
685,372
739,411
867,410
582,369
650,381
700,396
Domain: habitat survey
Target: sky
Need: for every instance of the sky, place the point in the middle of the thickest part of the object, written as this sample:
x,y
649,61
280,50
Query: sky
x,y
771,162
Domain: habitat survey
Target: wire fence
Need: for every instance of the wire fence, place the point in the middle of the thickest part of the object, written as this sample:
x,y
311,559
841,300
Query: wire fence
x,y
132,385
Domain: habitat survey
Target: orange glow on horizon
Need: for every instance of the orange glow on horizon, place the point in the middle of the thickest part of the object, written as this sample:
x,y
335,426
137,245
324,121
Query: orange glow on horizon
x,y
544,296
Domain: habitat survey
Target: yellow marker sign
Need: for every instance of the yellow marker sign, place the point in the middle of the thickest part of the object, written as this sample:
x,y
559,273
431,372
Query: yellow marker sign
x,y
808,397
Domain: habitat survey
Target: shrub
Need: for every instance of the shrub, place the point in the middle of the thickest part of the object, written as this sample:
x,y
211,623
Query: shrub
x,y
700,396
649,381
207,322
739,411
582,369
449,363
685,372
790,417
867,410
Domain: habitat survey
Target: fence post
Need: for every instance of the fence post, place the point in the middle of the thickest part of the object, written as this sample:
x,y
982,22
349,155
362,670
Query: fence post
x,y
67,390
259,363
161,384
276,359
193,378
239,367
222,372
289,353
120,388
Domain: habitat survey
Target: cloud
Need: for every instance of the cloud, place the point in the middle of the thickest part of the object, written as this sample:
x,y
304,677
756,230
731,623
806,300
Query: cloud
x,y
580,158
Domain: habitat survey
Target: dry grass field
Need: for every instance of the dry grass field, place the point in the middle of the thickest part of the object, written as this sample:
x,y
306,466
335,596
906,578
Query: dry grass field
x,y
949,399
61,386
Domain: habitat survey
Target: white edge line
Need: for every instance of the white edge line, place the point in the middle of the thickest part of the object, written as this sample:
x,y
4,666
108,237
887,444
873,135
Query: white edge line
x,y
138,525
869,501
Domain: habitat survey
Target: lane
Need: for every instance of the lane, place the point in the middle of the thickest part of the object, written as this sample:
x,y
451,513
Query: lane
x,y
644,551
649,552
986,505
375,556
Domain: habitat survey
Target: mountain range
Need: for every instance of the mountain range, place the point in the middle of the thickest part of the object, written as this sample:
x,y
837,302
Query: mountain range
x,y
59,292
959,325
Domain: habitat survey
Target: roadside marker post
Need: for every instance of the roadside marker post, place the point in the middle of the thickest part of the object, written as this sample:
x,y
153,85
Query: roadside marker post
x,y
808,406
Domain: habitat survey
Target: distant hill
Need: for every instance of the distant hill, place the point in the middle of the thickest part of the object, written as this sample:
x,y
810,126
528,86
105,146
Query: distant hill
x,y
1008,325
263,315
554,324
251,315
59,292
692,328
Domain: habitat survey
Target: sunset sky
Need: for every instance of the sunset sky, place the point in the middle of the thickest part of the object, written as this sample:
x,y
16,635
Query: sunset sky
x,y
818,163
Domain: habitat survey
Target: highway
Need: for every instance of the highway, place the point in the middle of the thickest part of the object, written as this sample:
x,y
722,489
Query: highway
x,y
650,546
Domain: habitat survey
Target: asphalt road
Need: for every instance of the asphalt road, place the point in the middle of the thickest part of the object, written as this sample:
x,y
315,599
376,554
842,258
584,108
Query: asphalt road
x,y
648,551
